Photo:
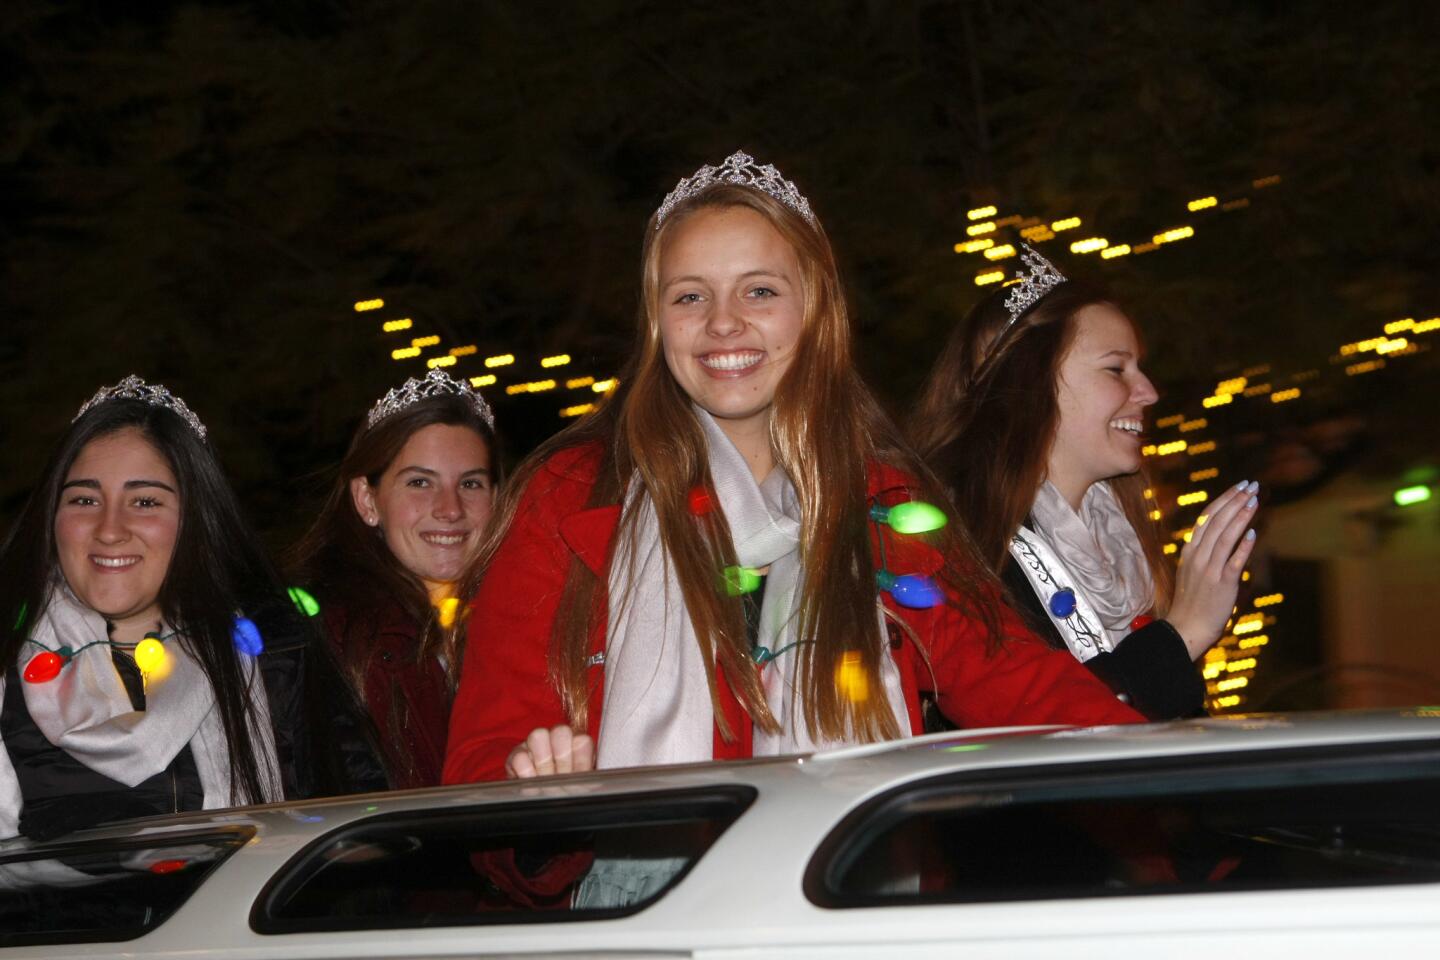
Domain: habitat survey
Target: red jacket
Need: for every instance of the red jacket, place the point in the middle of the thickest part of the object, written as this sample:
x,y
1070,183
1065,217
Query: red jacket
x,y
505,691
408,699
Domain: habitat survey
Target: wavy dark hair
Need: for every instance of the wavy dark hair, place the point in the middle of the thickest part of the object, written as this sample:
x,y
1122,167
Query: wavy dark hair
x,y
988,414
348,564
218,567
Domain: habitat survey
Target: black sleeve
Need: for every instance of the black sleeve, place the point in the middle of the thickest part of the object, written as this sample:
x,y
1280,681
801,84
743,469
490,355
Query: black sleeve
x,y
281,669
1152,667
323,739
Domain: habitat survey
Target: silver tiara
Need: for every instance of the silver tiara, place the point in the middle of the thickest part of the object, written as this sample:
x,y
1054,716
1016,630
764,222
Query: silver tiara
x,y
133,388
436,384
1030,285
739,168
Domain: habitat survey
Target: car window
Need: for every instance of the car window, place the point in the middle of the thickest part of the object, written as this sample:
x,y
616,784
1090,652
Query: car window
x,y
537,861
103,890
1191,825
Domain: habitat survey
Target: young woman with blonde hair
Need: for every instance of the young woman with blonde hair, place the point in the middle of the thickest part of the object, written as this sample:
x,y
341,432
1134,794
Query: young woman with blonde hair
x,y
697,571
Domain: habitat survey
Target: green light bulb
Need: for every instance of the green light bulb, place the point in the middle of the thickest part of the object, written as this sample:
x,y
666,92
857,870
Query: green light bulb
x,y
305,603
740,580
913,517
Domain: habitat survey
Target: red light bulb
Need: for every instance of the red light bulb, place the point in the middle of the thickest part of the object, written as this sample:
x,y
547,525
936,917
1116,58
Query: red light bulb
x,y
701,501
43,667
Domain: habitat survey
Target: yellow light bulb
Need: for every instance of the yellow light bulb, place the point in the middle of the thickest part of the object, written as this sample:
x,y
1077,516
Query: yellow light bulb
x,y
149,654
850,677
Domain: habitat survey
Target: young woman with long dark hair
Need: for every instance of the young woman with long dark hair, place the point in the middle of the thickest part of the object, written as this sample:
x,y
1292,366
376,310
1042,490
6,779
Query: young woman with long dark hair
x,y
152,661
695,570
402,521
1033,417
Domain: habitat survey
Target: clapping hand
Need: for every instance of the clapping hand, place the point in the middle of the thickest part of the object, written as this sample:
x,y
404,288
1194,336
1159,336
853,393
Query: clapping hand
x,y
1210,566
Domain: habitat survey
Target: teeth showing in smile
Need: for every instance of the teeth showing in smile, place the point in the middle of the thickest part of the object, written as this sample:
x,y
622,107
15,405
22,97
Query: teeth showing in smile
x,y
732,361
1127,424
443,539
114,563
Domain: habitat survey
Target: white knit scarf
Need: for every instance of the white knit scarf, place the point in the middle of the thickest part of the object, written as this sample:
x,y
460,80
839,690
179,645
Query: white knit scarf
x,y
87,712
1094,552
657,703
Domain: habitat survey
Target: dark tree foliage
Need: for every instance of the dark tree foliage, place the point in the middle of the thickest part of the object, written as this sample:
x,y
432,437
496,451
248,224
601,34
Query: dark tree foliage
x,y
197,191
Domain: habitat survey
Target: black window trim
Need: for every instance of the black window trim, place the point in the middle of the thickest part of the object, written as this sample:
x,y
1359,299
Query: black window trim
x,y
736,799
229,838
1062,776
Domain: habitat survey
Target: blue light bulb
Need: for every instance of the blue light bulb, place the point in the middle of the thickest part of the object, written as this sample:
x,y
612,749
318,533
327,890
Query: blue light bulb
x,y
916,592
247,637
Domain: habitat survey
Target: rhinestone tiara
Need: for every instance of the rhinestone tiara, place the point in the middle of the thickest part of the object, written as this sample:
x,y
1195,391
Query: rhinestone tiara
x,y
1029,286
133,388
436,384
738,168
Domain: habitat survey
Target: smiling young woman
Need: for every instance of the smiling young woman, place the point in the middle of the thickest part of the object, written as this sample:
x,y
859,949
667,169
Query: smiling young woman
x,y
695,571
115,530
1034,416
151,661
403,520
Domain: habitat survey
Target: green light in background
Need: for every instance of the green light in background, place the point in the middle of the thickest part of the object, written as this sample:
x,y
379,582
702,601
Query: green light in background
x,y
966,747
1406,496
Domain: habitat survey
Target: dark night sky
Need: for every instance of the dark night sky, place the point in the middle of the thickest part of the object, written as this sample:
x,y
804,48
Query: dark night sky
x,y
198,191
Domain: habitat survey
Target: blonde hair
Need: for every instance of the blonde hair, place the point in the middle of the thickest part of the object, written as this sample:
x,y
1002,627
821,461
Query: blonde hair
x,y
647,430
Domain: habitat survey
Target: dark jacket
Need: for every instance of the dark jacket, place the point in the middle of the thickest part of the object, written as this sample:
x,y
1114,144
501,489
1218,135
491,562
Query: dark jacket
x,y
407,695
320,743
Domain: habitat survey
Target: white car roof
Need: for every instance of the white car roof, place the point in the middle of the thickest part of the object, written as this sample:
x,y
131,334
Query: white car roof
x,y
861,768
799,801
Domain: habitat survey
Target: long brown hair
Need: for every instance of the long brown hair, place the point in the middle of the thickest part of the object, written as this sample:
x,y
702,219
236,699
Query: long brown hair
x,y
988,414
825,428
348,563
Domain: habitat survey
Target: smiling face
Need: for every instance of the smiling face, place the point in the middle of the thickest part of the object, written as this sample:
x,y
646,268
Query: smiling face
x,y
432,502
115,529
731,311
1102,395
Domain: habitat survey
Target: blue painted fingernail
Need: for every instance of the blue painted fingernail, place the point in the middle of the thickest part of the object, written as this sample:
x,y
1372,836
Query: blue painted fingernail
x,y
1242,484
1250,504
1250,534
1254,486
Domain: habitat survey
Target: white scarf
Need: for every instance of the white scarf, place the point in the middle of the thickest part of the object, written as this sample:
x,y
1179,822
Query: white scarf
x,y
657,706
86,711
1095,553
